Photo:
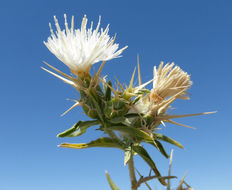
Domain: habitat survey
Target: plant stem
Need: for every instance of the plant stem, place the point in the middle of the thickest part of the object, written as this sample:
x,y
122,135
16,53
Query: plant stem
x,y
132,173
114,136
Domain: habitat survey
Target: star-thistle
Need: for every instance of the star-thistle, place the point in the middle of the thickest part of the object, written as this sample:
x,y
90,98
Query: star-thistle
x,y
80,48
129,115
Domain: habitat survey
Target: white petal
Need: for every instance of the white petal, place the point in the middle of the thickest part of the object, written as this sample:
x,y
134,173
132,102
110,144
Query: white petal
x,y
80,48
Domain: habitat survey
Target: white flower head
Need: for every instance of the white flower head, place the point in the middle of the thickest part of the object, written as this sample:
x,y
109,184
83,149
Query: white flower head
x,y
80,48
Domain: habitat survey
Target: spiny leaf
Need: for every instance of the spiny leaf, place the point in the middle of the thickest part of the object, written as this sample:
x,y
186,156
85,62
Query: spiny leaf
x,y
101,142
111,183
167,139
146,157
78,129
120,85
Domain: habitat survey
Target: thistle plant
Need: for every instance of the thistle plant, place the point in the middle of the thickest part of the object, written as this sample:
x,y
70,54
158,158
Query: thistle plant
x,y
128,115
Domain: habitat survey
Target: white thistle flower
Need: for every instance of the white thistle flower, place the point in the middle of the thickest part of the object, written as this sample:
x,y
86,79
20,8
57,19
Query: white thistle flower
x,y
80,48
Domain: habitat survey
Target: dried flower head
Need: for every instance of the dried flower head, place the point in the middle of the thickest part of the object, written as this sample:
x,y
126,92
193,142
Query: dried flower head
x,y
169,81
80,48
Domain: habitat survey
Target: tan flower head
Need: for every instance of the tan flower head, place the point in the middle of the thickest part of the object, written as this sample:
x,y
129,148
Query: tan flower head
x,y
168,81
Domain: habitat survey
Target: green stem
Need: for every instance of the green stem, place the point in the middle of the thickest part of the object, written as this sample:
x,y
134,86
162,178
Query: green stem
x,y
114,136
132,173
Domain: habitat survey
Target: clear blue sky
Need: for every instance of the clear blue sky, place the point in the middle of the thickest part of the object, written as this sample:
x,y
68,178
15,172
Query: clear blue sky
x,y
196,35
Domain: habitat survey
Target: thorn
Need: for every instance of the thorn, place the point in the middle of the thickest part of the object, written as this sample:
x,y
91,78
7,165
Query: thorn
x,y
132,79
162,122
57,70
100,68
139,71
121,86
182,181
143,85
175,123
60,77
73,106
97,75
166,117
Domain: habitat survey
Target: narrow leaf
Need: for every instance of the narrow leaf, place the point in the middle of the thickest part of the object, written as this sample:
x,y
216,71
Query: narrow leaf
x,y
136,99
159,146
78,129
111,183
146,157
167,139
101,142
69,131
108,91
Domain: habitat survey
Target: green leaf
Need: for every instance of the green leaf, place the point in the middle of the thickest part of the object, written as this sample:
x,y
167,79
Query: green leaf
x,y
128,153
78,129
108,91
111,183
132,131
167,139
146,157
136,99
161,149
101,142
159,146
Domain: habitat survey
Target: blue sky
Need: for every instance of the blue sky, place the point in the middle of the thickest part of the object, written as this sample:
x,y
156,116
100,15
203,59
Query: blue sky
x,y
196,35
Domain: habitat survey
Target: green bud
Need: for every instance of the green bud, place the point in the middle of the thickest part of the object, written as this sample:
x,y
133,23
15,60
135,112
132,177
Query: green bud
x,y
88,106
115,108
